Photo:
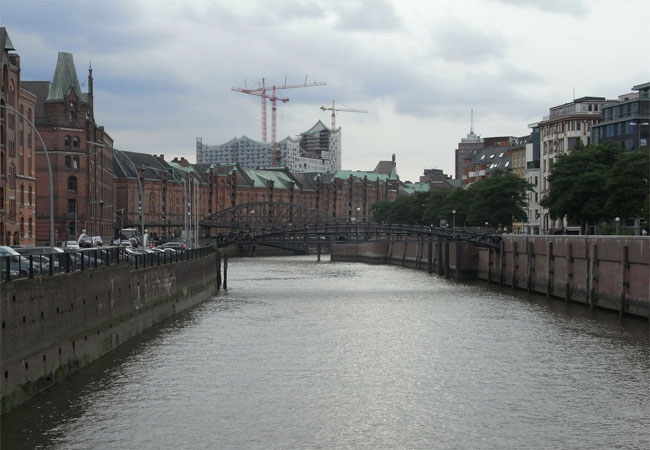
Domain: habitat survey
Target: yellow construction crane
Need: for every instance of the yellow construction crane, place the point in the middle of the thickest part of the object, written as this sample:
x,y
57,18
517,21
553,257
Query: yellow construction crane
x,y
334,110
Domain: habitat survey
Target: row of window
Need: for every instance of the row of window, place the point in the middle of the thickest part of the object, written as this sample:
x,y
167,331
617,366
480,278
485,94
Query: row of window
x,y
71,141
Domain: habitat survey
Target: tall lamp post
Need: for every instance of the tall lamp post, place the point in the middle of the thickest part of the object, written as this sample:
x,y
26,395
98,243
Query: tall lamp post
x,y
453,228
358,211
49,170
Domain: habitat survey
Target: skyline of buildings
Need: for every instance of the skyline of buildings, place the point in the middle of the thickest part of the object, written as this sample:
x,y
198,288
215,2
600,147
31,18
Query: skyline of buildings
x,y
94,182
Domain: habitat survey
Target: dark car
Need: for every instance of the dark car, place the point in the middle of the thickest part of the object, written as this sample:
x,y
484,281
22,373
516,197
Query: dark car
x,y
86,242
174,245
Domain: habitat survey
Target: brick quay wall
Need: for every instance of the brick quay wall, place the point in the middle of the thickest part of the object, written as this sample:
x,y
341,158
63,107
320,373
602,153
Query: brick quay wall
x,y
610,272
52,326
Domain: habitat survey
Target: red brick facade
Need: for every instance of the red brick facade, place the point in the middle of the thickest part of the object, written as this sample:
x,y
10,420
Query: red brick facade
x,y
17,177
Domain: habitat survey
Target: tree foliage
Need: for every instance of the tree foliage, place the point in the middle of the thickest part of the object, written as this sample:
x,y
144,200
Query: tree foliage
x,y
627,184
597,183
496,200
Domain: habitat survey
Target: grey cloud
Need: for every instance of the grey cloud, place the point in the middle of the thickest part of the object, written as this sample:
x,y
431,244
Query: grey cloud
x,y
375,15
571,7
458,42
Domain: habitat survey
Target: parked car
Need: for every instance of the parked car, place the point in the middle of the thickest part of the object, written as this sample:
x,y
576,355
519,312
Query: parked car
x,y
174,245
70,246
41,256
97,241
85,242
18,265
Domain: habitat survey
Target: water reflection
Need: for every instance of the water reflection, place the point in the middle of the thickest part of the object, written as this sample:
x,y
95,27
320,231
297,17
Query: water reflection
x,y
305,355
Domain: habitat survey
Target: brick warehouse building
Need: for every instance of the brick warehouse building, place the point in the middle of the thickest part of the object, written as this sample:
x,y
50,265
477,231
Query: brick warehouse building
x,y
80,154
17,177
207,189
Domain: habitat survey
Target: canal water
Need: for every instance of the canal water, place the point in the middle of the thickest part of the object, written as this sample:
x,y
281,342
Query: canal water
x,y
306,355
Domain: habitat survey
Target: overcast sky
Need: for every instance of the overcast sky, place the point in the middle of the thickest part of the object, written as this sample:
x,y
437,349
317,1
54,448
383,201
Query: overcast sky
x,y
164,69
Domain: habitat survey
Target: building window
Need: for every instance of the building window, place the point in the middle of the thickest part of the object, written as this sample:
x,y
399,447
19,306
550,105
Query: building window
x,y
29,228
75,163
68,162
75,142
22,194
72,184
29,195
12,176
66,142
72,205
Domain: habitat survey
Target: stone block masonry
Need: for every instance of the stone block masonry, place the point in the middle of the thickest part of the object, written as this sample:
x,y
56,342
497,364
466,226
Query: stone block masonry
x,y
609,272
52,326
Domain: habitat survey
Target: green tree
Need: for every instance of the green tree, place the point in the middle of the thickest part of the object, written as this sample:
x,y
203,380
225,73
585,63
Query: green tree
x,y
578,184
498,200
442,202
627,184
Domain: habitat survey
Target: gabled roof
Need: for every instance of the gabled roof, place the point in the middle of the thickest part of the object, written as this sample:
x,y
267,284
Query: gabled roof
x,y
40,89
372,176
8,46
65,79
281,178
388,168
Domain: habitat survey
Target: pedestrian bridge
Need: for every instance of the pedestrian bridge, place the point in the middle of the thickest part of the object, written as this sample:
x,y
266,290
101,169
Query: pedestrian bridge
x,y
278,224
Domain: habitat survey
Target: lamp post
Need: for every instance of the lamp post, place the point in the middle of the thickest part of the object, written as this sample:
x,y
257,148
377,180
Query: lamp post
x,y
252,231
618,220
49,169
358,211
453,229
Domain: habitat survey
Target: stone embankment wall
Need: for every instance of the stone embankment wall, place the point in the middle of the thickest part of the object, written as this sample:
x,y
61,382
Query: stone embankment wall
x,y
52,326
599,271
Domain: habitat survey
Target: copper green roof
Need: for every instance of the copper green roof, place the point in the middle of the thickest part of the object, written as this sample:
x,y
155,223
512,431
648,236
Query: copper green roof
x,y
261,178
65,79
8,45
372,176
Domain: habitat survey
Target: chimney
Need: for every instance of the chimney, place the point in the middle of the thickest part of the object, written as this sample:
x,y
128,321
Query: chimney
x,y
393,157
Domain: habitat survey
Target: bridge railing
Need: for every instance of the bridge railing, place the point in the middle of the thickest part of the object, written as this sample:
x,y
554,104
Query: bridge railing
x,y
33,266
339,232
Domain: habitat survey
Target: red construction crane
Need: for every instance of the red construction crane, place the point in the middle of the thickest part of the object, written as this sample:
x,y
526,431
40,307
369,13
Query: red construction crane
x,y
334,109
261,91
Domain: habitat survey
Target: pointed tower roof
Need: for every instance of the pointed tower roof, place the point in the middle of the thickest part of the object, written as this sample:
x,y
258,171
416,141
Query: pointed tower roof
x,y
65,79
8,46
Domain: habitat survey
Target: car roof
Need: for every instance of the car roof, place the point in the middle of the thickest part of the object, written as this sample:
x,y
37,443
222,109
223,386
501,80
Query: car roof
x,y
5,250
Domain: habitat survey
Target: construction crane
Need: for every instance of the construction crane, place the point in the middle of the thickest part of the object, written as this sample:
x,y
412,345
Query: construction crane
x,y
261,92
334,109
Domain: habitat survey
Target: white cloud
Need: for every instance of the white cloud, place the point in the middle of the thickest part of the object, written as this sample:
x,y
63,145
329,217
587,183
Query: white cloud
x,y
164,69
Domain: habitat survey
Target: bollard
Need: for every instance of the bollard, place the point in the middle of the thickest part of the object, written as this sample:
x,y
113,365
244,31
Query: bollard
x,y
218,270
549,269
225,271
457,262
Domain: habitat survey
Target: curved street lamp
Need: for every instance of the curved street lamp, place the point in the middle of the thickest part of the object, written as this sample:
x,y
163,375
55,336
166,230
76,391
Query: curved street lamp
x,y
49,171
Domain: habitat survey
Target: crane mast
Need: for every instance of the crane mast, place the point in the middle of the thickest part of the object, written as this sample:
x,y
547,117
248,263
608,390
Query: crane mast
x,y
261,92
334,109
